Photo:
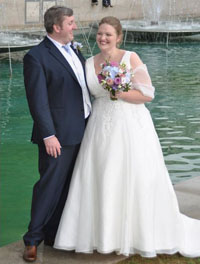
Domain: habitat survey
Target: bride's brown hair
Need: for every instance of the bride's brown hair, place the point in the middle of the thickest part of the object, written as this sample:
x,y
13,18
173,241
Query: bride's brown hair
x,y
114,22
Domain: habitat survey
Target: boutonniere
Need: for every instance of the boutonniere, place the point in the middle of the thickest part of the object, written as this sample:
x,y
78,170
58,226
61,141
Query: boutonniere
x,y
77,46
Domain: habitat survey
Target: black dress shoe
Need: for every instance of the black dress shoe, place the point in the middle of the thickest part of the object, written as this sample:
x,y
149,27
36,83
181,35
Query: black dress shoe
x,y
49,242
30,253
94,2
105,3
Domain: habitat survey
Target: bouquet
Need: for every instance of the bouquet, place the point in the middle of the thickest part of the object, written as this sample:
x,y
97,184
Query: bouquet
x,y
115,77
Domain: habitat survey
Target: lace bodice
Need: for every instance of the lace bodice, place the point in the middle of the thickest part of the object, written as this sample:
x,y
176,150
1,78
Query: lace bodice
x,y
141,79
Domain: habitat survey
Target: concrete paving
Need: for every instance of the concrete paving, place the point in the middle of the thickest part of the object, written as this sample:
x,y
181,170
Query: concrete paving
x,y
12,254
188,194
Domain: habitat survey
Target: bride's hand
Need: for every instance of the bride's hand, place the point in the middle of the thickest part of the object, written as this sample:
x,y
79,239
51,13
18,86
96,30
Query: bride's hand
x,y
117,95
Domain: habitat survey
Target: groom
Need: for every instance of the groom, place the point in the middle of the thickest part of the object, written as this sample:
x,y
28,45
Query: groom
x,y
59,103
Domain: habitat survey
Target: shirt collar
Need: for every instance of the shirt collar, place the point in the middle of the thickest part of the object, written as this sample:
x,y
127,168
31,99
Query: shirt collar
x,y
58,44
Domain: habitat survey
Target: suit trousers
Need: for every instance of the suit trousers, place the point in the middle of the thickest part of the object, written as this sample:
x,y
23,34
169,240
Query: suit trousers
x,y
50,193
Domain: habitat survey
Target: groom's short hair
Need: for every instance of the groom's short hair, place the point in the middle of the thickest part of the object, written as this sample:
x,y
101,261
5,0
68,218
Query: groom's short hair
x,y
55,16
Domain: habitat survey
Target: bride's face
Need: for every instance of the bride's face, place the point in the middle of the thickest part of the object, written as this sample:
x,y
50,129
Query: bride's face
x,y
107,37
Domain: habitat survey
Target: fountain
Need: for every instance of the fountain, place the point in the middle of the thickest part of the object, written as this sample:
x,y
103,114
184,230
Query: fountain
x,y
161,23
13,36
162,31
17,41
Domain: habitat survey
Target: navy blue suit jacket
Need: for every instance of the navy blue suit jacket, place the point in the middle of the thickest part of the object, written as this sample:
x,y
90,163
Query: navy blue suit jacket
x,y
54,95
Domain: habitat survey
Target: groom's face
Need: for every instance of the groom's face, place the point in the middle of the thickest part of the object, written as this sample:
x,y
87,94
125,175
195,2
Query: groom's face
x,y
66,30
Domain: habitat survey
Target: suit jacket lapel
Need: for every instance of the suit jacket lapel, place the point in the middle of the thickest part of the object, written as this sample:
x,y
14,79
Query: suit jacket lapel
x,y
82,60
58,55
79,55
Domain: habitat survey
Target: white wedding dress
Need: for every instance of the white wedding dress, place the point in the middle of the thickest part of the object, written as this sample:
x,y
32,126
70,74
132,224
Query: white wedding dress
x,y
121,198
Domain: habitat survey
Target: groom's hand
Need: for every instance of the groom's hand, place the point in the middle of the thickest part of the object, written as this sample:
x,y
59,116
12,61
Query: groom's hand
x,y
52,146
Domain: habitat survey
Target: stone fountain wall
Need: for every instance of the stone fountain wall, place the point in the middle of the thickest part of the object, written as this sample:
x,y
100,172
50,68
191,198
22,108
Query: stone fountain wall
x,y
29,13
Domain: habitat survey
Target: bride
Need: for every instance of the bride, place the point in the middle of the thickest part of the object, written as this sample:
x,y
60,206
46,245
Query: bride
x,y
121,198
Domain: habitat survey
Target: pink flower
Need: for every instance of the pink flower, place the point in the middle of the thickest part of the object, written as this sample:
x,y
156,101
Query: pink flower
x,y
109,81
114,64
121,75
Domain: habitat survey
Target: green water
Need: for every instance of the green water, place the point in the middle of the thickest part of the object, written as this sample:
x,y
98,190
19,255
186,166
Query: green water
x,y
18,164
175,73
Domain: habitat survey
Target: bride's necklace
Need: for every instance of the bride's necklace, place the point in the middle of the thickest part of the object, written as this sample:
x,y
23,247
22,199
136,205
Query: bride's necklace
x,y
109,56
106,58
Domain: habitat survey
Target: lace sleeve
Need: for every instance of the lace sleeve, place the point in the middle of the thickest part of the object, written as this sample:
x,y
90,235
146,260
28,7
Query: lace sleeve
x,y
142,81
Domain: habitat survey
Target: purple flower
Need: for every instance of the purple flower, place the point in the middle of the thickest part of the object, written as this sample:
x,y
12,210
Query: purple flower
x,y
117,80
100,78
114,88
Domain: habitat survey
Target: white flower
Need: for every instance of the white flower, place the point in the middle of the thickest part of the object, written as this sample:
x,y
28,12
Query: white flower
x,y
123,80
77,45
